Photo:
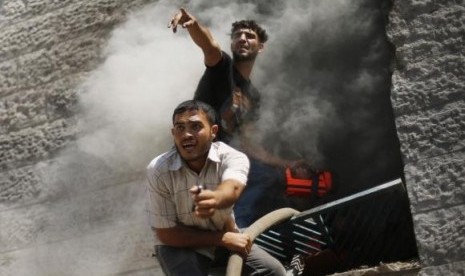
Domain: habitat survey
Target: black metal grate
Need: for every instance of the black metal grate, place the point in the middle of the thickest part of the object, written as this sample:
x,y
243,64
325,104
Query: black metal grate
x,y
362,229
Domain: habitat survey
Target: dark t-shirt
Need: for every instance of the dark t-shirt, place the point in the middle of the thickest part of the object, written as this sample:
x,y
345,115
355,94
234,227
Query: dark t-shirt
x,y
216,87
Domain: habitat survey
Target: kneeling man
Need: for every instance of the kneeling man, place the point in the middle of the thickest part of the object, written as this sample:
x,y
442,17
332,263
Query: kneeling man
x,y
191,191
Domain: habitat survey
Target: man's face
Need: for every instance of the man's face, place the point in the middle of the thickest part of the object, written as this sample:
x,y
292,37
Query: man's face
x,y
193,136
245,45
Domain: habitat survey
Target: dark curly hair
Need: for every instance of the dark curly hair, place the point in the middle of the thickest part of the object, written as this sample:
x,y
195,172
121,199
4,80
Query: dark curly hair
x,y
191,105
250,24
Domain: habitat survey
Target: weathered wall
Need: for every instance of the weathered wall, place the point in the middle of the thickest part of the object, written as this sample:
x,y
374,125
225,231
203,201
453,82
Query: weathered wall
x,y
61,212
428,99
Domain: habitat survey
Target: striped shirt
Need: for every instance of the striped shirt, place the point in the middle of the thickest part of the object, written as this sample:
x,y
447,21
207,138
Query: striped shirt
x,y
168,200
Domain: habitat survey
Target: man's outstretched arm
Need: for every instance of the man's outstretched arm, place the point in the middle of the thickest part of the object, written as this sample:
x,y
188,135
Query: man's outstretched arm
x,y
200,34
190,237
257,151
224,196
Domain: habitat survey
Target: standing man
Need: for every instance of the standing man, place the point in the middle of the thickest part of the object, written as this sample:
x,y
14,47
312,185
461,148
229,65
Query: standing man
x,y
190,193
227,87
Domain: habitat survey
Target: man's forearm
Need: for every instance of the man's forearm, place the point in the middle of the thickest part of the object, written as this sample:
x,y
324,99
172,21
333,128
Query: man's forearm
x,y
203,38
258,152
200,35
228,193
255,150
189,237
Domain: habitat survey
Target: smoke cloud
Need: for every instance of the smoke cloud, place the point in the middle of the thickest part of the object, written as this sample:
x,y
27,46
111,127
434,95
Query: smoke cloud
x,y
324,78
148,70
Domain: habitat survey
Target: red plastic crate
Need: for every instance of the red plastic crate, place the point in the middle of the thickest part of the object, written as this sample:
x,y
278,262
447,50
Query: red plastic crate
x,y
304,187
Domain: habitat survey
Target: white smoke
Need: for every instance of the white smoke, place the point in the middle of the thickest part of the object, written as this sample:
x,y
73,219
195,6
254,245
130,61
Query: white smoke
x,y
127,102
147,71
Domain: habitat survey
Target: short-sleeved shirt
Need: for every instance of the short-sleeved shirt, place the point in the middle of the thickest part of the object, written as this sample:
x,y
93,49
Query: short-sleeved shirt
x,y
216,87
168,200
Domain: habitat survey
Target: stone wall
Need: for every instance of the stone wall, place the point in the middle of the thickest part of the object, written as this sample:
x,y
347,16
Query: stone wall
x,y
428,87
61,210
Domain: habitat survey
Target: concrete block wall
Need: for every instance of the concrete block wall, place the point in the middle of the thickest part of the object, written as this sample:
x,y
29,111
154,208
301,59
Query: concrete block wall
x,y
62,212
428,97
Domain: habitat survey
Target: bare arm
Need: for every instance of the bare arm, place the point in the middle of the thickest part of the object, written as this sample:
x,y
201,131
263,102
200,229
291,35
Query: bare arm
x,y
200,34
255,150
183,236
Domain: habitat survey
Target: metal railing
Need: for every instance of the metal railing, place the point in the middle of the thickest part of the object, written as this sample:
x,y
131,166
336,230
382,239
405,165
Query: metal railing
x,y
365,228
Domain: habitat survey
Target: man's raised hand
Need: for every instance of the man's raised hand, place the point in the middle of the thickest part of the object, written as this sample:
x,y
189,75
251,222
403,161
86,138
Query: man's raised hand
x,y
183,18
205,202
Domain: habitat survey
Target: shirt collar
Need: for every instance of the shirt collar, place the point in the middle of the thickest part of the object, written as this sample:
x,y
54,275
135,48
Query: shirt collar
x,y
213,154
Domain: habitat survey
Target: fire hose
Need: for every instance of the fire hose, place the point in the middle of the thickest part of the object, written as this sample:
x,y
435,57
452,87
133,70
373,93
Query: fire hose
x,y
235,261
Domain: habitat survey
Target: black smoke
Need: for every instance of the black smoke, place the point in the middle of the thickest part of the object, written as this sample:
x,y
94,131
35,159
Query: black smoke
x,y
326,79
